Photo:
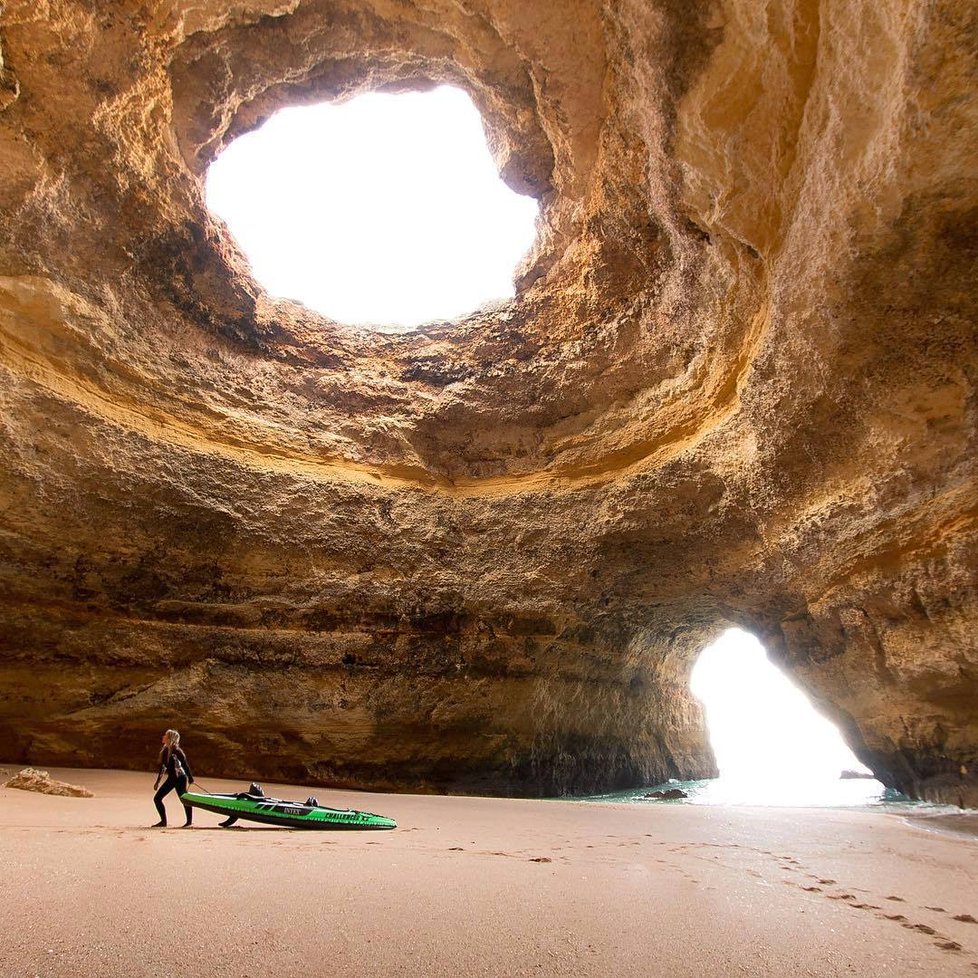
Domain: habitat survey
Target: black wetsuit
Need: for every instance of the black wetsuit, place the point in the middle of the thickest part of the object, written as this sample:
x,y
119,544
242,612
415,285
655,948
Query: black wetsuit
x,y
178,776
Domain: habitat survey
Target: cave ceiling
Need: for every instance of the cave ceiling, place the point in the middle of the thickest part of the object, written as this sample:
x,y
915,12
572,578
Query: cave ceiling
x,y
736,385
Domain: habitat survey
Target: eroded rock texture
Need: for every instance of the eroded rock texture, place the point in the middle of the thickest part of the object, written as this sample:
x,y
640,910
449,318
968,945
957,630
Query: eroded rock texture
x,y
737,385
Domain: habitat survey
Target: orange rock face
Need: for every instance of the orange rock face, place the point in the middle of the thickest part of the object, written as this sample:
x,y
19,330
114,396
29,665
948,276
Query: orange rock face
x,y
737,385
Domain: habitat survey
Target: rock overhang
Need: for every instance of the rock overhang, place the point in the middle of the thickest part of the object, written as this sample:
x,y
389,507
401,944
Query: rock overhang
x,y
222,78
674,399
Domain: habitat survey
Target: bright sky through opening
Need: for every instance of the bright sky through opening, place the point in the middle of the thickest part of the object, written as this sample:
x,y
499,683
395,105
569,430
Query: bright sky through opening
x,y
770,744
384,210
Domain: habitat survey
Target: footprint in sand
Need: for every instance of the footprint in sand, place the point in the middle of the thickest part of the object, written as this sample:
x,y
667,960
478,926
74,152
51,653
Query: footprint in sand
x,y
965,918
897,899
895,916
826,882
812,889
540,859
841,896
948,945
923,928
935,909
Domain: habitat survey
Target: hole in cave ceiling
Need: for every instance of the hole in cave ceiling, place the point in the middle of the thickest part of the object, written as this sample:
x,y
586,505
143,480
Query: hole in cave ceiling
x,y
386,210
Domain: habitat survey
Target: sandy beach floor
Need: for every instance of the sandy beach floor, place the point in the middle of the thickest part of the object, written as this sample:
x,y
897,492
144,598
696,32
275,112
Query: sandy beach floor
x,y
475,886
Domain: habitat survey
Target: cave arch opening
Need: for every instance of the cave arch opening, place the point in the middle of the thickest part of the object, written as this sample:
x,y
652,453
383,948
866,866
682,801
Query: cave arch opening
x,y
386,210
771,744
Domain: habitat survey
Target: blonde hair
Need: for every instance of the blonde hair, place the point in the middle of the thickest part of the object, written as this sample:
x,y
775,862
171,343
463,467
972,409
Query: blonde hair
x,y
172,739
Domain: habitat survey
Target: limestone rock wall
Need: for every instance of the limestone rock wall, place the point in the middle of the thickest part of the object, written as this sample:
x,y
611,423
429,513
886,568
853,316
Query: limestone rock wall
x,y
737,385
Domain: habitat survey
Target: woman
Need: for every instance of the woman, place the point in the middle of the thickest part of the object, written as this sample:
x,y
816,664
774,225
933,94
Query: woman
x,y
173,762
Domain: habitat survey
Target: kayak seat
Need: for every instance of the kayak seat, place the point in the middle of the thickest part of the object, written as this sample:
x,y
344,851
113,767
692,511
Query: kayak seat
x,y
255,791
312,801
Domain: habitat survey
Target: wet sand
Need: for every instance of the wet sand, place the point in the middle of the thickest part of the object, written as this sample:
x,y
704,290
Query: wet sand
x,y
475,886
958,823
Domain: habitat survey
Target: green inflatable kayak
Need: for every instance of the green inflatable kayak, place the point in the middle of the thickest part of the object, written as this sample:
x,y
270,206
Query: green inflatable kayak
x,y
256,806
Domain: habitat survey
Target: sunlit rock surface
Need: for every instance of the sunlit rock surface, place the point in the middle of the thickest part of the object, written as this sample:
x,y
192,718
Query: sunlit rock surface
x,y
737,385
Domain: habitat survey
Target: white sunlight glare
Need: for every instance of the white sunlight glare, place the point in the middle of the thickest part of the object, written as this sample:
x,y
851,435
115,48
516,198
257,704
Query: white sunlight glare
x,y
770,744
384,210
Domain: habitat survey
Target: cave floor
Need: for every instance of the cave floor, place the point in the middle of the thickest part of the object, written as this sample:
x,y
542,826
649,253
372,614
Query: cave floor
x,y
477,886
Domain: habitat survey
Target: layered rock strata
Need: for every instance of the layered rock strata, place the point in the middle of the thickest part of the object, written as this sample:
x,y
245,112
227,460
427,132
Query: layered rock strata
x,y
737,385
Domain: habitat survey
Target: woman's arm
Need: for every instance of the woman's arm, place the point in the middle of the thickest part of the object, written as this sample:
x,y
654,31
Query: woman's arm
x,y
161,768
186,765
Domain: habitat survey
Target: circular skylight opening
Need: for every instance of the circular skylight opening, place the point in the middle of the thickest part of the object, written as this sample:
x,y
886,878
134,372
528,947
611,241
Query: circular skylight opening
x,y
386,210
